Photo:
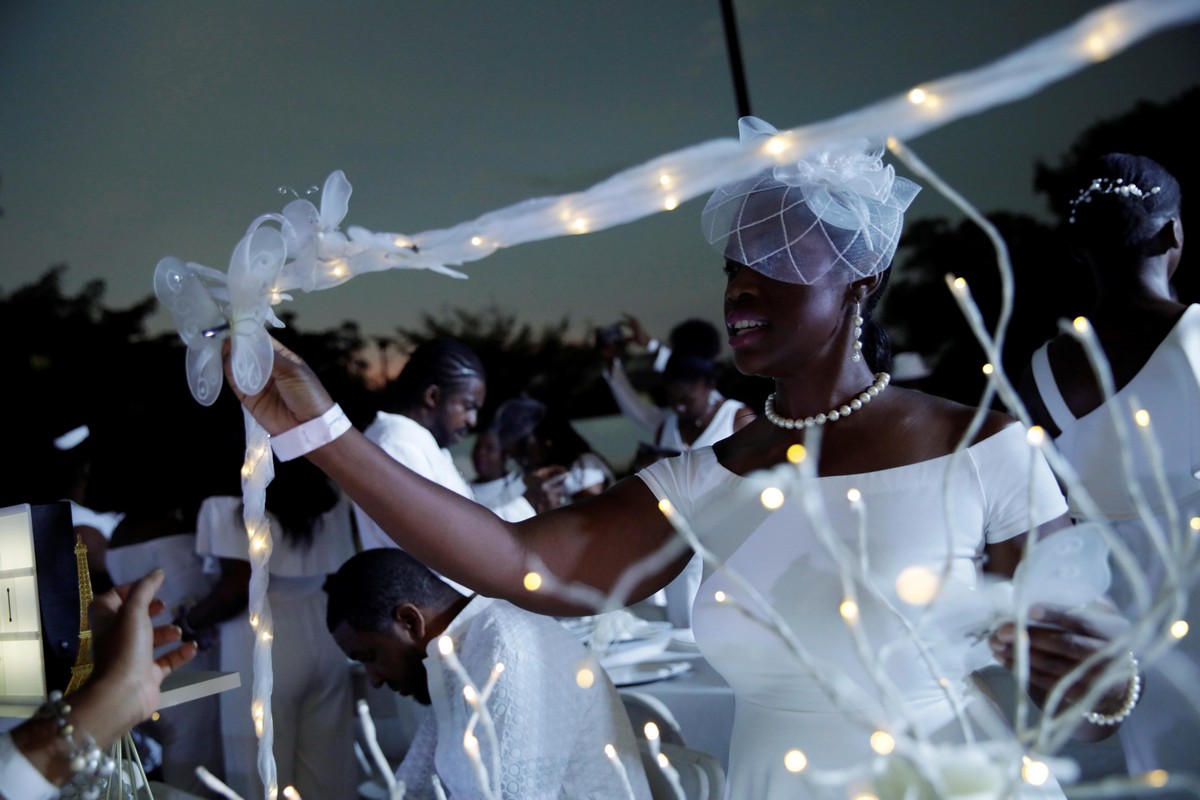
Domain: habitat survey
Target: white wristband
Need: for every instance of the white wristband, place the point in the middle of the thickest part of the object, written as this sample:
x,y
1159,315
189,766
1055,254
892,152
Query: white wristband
x,y
306,437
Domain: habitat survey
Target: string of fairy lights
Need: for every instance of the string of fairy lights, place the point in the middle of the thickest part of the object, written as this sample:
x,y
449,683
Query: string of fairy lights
x,y
309,252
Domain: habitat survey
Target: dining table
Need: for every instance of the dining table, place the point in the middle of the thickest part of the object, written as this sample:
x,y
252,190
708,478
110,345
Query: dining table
x,y
681,679
701,702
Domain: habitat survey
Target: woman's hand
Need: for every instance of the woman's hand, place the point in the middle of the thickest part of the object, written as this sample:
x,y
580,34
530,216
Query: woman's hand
x,y
1058,643
637,334
124,689
544,487
292,395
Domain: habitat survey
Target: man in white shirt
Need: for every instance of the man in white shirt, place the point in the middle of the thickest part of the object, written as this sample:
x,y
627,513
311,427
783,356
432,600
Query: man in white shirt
x,y
389,612
433,404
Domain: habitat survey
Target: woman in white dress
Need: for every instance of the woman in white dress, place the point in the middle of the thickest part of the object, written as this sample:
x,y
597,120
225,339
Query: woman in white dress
x,y
312,698
793,309
1126,226
696,414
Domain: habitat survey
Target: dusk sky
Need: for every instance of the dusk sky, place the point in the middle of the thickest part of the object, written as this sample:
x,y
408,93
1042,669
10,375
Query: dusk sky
x,y
134,130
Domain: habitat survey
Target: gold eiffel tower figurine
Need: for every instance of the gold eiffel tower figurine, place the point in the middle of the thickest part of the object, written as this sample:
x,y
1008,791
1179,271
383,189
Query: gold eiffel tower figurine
x,y
83,660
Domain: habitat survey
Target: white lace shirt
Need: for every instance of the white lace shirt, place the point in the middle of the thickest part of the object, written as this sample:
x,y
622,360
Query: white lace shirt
x,y
551,733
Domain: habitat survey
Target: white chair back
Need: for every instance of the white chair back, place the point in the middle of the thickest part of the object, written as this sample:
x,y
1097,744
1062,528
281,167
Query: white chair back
x,y
697,775
643,708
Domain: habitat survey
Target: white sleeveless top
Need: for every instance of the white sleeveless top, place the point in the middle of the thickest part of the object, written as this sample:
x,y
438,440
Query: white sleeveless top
x,y
719,427
1168,387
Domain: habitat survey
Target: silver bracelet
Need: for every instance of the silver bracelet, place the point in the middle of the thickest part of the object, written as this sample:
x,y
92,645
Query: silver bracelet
x,y
90,766
308,436
1133,693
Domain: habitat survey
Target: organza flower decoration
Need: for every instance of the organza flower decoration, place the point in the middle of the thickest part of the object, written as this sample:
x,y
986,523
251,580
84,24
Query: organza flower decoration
x,y
181,287
312,236
837,207
253,275
375,252
208,305
1066,571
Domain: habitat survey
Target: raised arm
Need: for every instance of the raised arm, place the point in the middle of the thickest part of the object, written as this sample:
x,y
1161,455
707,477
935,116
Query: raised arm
x,y
592,542
645,415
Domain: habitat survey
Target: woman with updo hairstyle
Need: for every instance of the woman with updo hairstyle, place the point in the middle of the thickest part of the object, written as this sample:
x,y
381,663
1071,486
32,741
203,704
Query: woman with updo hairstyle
x,y
1125,224
896,480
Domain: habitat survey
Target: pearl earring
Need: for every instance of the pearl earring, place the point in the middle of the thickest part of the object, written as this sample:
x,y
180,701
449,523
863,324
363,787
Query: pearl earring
x,y
856,320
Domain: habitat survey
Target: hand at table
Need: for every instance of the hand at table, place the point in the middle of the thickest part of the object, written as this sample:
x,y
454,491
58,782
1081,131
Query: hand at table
x,y
545,487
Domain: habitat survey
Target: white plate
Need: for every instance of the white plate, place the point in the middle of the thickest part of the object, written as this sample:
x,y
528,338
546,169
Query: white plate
x,y
647,672
684,641
632,651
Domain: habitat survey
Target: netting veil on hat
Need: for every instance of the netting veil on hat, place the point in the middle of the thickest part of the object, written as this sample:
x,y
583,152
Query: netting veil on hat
x,y
842,201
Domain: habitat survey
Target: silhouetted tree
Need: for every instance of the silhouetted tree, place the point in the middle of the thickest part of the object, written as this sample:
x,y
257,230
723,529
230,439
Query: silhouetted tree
x,y
70,360
922,316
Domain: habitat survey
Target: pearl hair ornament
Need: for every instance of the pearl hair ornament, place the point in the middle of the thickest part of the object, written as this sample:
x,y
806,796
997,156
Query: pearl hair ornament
x,y
1133,693
882,379
1116,186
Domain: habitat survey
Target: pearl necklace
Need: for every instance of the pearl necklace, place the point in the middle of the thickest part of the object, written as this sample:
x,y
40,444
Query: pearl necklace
x,y
882,379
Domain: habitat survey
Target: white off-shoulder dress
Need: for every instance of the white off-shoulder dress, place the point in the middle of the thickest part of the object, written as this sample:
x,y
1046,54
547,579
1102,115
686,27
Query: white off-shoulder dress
x,y
922,514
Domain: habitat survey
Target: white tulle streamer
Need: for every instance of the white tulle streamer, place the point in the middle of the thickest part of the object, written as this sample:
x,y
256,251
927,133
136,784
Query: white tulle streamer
x,y
309,252
257,472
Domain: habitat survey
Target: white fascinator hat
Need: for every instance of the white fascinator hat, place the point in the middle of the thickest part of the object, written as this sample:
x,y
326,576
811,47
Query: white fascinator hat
x,y
843,200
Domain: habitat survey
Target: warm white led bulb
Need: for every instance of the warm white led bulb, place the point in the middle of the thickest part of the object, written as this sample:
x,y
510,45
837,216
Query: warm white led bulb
x,y
849,610
1156,778
1035,773
771,498
795,761
917,586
